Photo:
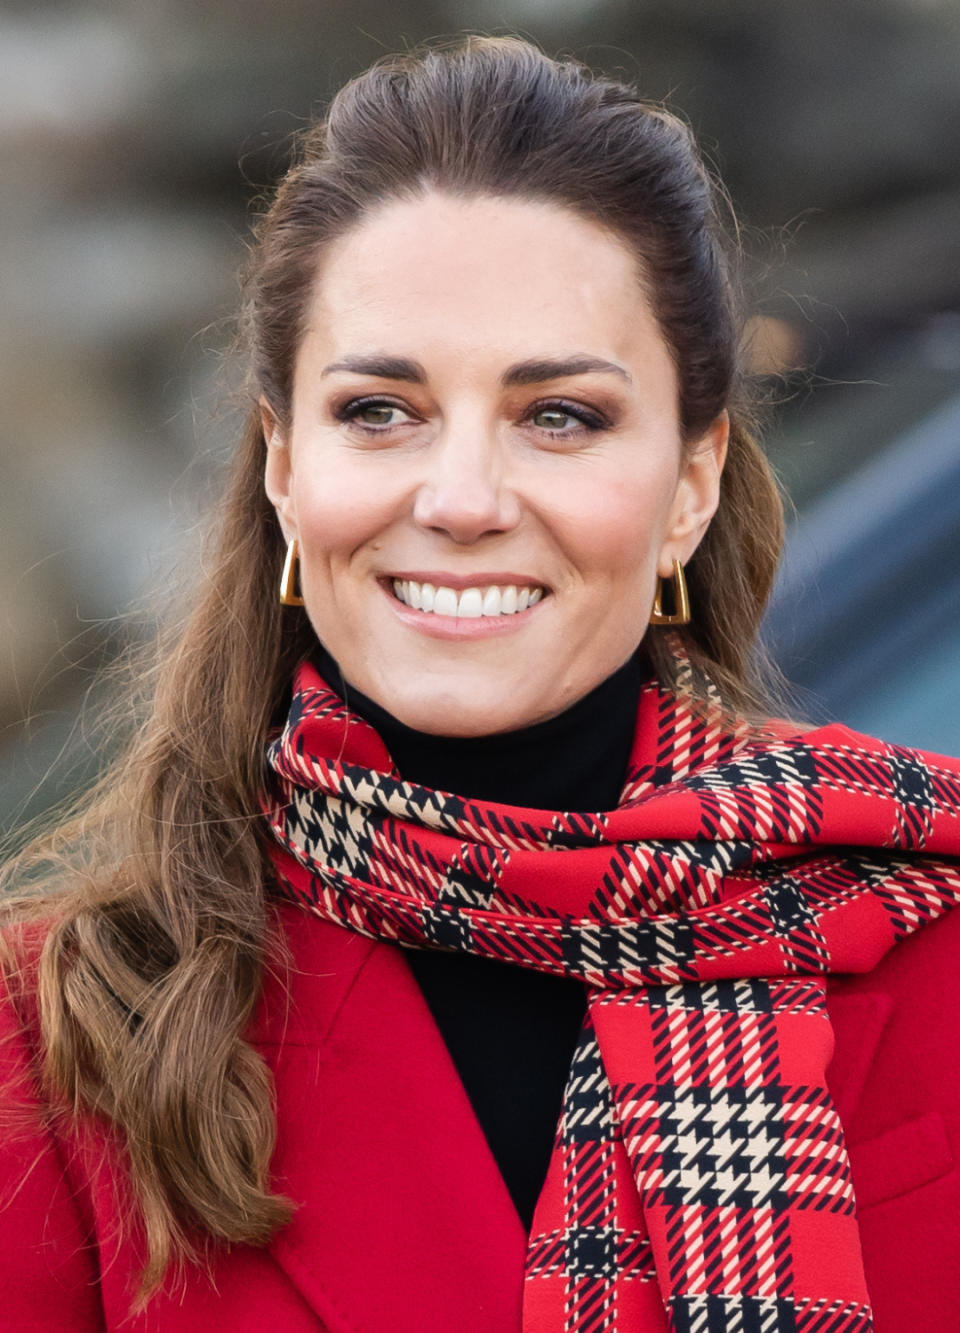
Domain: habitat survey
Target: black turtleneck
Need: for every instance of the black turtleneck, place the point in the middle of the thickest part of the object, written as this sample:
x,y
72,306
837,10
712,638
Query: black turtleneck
x,y
511,1032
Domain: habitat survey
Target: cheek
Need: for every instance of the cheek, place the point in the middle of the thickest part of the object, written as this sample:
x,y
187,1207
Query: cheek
x,y
614,528
338,512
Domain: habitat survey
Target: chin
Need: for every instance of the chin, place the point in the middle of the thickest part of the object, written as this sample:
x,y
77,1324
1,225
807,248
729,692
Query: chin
x,y
462,712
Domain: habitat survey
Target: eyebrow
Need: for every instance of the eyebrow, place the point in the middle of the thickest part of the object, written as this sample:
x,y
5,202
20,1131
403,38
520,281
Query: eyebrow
x,y
523,372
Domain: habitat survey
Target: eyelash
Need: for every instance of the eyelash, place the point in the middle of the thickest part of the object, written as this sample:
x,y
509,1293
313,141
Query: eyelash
x,y
589,420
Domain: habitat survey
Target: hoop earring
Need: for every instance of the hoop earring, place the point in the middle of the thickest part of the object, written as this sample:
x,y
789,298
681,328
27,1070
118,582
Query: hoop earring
x,y
681,600
288,579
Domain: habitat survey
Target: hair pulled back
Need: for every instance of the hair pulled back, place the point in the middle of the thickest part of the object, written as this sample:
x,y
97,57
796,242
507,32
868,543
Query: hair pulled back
x,y
159,930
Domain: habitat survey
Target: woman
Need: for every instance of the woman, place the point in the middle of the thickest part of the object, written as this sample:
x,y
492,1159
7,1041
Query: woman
x,y
496,417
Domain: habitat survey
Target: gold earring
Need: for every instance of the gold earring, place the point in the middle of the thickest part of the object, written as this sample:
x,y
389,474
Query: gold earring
x,y
288,579
681,600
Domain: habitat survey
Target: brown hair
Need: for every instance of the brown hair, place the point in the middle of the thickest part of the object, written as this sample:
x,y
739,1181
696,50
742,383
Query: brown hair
x,y
160,934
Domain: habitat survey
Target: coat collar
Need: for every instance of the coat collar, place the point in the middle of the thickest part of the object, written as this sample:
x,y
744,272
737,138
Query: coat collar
x,y
397,1192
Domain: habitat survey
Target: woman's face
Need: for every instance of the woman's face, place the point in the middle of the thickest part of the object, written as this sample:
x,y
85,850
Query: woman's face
x,y
485,421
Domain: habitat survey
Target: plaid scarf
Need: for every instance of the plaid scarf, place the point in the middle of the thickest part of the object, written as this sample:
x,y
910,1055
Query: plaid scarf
x,y
699,1180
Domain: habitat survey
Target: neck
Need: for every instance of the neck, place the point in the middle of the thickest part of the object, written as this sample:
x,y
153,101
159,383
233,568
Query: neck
x,y
576,761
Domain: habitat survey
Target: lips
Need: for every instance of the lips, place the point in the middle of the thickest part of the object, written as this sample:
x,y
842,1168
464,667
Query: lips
x,y
469,603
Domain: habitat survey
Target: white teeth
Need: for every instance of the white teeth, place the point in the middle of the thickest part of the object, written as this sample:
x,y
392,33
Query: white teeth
x,y
469,603
445,602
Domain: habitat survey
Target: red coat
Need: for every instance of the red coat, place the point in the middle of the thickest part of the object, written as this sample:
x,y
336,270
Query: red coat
x,y
404,1224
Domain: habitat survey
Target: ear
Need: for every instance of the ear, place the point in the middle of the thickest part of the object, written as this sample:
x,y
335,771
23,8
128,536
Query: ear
x,y
278,472
697,495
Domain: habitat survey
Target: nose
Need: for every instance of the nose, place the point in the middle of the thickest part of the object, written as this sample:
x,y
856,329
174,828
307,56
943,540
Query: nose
x,y
464,492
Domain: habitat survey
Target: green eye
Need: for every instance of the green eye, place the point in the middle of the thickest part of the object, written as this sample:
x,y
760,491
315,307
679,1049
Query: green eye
x,y
552,418
376,414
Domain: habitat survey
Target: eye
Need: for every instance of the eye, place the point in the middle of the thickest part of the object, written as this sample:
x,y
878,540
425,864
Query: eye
x,y
553,418
373,414
563,418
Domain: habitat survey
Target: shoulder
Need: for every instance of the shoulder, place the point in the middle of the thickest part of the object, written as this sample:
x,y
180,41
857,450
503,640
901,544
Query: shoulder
x,y
21,1027
895,1081
838,736
21,945
896,1031
47,1267
919,977
310,974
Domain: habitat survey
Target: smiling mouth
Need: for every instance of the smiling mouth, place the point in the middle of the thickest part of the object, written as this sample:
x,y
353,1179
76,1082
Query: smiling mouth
x,y
487,600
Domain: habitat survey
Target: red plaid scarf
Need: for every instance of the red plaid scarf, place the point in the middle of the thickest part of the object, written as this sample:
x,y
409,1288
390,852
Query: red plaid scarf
x,y
699,1180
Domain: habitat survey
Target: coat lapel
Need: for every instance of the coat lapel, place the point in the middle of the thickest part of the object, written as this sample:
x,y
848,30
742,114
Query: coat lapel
x,y
403,1220
858,1019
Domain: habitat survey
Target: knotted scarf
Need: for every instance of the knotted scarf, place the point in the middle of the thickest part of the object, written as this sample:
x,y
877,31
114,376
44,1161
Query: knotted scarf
x,y
699,1179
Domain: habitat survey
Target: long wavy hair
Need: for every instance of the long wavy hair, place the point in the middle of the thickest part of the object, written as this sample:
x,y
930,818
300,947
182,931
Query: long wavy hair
x,y
157,923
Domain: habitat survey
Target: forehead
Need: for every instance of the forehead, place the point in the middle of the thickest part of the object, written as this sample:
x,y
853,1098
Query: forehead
x,y
482,274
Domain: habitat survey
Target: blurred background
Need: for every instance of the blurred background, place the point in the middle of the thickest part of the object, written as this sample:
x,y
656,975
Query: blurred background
x,y
134,139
